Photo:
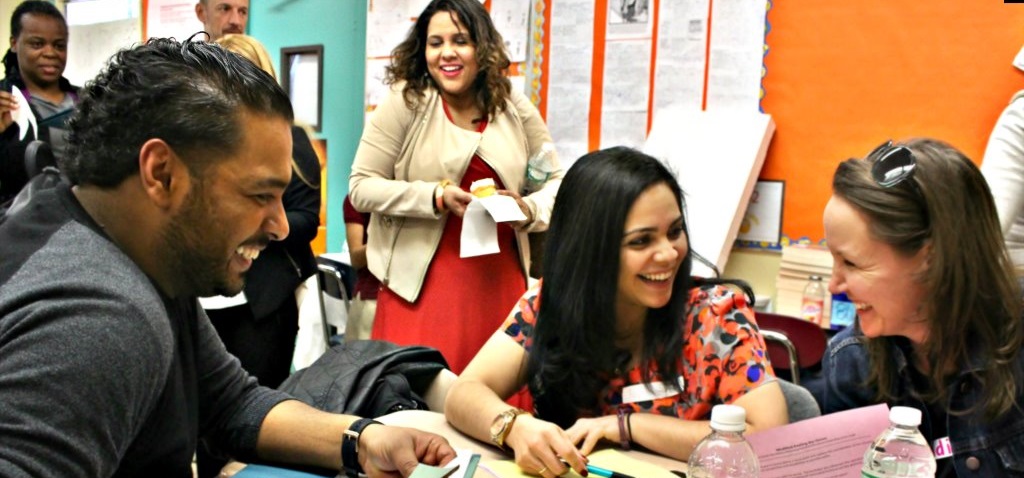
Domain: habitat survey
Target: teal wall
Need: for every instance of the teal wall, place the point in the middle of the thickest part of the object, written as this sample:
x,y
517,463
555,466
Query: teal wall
x,y
340,26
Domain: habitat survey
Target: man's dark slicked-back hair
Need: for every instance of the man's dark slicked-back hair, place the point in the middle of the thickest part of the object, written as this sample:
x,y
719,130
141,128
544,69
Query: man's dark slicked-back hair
x,y
36,7
190,94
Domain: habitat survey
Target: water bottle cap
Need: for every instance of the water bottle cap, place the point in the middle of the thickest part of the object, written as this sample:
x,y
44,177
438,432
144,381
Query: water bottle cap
x,y
815,277
904,416
728,418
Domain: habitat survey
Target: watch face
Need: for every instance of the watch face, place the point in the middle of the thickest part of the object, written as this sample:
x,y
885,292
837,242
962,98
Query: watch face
x,y
498,425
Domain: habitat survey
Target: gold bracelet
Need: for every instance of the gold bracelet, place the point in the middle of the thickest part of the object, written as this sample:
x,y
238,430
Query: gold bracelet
x,y
439,196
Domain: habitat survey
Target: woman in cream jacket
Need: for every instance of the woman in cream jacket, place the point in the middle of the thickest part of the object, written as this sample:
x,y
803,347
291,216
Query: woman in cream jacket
x,y
451,117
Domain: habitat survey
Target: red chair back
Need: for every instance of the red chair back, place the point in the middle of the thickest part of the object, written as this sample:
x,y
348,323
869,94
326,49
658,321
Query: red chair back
x,y
809,339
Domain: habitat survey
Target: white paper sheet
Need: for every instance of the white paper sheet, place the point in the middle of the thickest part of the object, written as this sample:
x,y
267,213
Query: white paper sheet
x,y
387,24
502,208
679,68
512,19
23,116
737,55
572,49
172,18
480,224
90,46
627,68
479,232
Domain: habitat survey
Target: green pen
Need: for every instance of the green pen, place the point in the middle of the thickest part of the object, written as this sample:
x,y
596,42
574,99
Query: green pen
x,y
605,473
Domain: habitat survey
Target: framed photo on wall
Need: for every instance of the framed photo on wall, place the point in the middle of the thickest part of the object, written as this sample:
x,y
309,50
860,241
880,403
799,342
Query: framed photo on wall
x,y
302,74
762,222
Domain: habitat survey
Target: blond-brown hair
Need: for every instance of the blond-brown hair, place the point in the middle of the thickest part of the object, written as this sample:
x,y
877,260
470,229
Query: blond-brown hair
x,y
250,48
973,304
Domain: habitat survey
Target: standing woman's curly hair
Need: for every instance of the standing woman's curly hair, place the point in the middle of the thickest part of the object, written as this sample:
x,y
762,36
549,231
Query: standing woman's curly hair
x,y
409,63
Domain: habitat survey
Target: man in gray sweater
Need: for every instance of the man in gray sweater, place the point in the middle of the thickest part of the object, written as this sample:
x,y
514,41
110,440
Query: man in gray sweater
x,y
178,157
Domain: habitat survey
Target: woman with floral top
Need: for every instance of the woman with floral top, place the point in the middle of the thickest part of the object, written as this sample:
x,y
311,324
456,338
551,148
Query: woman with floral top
x,y
625,346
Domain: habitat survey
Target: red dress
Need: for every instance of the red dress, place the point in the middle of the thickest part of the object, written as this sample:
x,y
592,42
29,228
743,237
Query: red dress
x,y
463,301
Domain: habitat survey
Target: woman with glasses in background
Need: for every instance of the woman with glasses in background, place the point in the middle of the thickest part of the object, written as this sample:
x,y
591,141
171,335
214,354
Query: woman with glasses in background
x,y
917,246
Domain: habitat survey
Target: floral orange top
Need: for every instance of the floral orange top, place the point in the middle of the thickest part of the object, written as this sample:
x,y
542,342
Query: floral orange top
x,y
724,356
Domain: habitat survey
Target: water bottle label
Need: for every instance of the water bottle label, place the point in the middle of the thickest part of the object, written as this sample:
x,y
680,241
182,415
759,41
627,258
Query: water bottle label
x,y
536,175
941,448
811,310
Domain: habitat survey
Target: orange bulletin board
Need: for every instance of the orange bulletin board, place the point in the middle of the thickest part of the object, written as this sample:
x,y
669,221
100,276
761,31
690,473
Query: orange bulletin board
x,y
842,76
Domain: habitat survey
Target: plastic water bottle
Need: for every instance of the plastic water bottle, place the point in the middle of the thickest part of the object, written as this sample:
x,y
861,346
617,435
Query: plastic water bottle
x,y
539,168
900,450
812,307
725,453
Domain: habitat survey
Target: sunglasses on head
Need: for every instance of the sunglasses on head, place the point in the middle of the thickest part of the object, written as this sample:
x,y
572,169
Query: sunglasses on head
x,y
892,164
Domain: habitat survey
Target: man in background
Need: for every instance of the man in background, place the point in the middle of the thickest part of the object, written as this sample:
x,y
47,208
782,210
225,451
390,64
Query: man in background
x,y
177,161
221,17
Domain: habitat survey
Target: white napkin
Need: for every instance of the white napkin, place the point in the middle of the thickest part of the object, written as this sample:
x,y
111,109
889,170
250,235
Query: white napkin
x,y
480,224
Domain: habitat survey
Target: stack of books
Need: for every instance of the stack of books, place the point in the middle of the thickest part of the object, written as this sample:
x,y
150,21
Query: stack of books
x,y
799,262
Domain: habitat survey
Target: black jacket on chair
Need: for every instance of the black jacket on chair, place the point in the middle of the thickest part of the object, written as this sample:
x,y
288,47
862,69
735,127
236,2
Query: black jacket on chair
x,y
368,378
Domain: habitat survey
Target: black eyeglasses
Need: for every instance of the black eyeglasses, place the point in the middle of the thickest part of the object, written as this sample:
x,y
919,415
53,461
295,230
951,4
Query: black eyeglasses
x,y
891,165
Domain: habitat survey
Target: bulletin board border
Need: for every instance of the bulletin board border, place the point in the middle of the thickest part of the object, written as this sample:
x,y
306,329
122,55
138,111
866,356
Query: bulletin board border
x,y
784,241
536,65
764,66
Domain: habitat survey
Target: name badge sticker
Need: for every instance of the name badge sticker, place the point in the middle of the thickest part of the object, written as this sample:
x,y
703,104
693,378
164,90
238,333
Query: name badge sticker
x,y
640,393
941,448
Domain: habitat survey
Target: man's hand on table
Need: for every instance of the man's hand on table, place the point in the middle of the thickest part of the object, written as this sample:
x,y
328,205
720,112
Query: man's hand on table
x,y
388,451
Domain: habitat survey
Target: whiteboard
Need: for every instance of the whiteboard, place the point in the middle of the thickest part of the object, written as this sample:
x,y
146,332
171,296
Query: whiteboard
x,y
717,157
90,46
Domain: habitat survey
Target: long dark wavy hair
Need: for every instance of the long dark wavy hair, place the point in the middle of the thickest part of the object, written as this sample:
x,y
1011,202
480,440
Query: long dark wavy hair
x,y
409,62
573,353
972,304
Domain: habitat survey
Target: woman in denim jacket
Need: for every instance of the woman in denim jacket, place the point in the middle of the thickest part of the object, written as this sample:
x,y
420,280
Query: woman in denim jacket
x,y
917,246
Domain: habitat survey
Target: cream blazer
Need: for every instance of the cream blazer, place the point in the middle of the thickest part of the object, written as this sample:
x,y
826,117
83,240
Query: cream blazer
x,y
403,155
1003,168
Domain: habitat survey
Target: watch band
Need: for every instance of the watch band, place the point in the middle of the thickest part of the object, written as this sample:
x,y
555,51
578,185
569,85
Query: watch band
x,y
350,447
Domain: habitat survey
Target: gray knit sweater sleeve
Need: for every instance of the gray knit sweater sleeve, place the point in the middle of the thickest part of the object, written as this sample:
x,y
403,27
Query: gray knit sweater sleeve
x,y
83,357
232,404
87,350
